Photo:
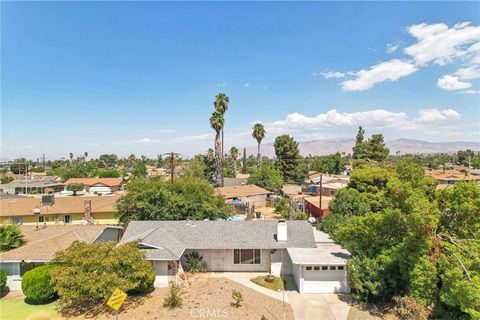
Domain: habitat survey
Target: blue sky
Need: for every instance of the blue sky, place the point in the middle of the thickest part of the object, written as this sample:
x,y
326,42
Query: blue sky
x,y
130,77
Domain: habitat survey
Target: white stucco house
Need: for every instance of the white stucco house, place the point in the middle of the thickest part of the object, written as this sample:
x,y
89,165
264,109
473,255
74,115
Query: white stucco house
x,y
277,247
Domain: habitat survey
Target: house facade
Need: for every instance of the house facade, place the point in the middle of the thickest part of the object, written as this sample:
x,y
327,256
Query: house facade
x,y
242,246
98,185
32,186
52,210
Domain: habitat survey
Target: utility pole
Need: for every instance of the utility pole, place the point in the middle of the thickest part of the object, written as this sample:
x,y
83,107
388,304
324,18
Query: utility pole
x,y
321,194
244,168
172,164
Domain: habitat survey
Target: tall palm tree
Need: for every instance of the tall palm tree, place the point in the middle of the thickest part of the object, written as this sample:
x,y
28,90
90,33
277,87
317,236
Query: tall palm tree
x,y
234,156
216,122
85,155
258,133
221,105
71,157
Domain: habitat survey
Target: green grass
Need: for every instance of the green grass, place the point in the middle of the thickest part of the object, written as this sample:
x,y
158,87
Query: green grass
x,y
17,309
276,285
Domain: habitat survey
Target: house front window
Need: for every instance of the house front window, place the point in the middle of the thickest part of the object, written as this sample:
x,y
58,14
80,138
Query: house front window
x,y
17,220
67,218
246,256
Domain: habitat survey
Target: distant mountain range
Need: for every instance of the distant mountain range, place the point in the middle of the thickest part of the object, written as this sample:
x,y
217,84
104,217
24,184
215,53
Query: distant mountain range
x,y
323,147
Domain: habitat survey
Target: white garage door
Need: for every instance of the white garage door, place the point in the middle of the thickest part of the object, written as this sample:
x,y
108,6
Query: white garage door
x,y
324,279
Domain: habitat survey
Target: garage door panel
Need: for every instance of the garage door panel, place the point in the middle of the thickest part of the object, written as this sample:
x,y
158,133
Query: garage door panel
x,y
327,275
324,286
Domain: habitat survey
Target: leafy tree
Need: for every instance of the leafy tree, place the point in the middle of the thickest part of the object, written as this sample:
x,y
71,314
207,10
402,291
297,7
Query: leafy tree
x,y
109,160
86,274
333,163
6,179
36,285
139,170
359,151
75,187
216,122
349,202
258,133
10,237
301,173
288,155
109,173
186,198
267,176
195,167
375,148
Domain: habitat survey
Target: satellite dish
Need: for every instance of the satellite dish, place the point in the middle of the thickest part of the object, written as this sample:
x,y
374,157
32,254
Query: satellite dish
x,y
36,211
312,219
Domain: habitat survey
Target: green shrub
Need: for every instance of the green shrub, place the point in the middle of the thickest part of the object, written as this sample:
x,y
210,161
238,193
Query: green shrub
x,y
301,216
195,262
3,280
237,297
174,298
86,274
36,285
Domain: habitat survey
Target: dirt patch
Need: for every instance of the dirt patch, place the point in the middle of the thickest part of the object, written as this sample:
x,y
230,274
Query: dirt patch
x,y
205,298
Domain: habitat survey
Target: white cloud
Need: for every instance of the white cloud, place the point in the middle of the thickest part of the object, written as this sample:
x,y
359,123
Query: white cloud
x,y
246,85
332,74
436,115
392,47
334,118
441,44
222,84
469,73
449,83
391,70
198,137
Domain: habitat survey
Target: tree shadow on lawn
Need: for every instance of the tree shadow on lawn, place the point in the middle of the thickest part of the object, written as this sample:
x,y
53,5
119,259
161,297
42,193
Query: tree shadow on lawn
x,y
4,292
95,308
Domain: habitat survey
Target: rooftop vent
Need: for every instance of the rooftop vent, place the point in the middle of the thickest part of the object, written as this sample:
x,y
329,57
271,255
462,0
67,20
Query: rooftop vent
x,y
281,231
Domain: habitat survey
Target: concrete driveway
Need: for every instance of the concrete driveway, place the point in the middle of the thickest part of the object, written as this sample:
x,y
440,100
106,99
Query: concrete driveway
x,y
317,306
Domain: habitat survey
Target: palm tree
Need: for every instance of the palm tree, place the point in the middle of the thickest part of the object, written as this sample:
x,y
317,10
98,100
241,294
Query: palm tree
x,y
71,157
234,156
221,105
258,133
85,154
216,122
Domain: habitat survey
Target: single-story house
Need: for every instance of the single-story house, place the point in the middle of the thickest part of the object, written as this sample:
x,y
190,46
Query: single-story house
x,y
32,185
98,185
59,210
451,177
249,194
42,242
277,247
312,206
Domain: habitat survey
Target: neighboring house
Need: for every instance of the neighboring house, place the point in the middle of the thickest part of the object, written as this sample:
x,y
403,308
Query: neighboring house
x,y
32,185
249,194
278,247
330,183
451,177
42,242
312,206
230,182
59,210
329,189
98,185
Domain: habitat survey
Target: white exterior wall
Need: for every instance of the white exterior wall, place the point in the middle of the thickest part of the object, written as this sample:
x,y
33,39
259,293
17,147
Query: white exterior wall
x,y
298,276
14,280
161,269
221,260
279,266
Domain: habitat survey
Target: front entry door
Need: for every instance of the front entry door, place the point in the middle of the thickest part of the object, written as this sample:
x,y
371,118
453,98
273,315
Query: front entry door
x,y
218,260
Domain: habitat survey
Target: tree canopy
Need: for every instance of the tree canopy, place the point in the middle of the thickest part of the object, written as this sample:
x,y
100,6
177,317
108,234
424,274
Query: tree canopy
x,y
288,155
187,197
267,176
407,239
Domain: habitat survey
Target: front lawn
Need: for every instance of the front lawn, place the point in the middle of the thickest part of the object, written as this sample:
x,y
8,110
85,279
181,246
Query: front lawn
x,y
17,309
276,285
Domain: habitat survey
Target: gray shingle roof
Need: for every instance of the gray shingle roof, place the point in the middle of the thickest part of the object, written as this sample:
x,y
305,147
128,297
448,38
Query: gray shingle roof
x,y
173,237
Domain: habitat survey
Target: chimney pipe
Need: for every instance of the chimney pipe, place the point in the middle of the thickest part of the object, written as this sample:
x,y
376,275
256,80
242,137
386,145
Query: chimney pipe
x,y
281,230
